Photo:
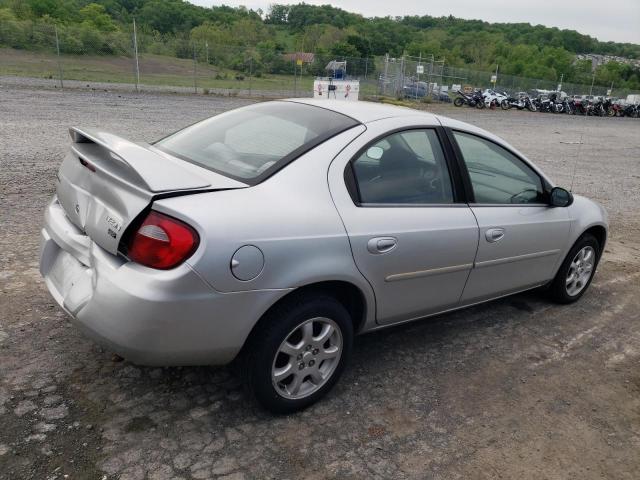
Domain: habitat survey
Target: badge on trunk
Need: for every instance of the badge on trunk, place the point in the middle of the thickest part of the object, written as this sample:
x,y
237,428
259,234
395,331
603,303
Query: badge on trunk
x,y
115,226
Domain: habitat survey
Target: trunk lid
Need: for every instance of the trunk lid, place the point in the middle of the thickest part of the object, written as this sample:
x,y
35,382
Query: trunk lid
x,y
105,182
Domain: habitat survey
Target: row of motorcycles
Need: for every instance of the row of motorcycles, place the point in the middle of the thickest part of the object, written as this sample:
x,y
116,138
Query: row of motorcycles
x,y
573,106
492,99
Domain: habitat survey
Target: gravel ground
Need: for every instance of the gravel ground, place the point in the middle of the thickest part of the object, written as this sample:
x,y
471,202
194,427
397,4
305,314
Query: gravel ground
x,y
518,388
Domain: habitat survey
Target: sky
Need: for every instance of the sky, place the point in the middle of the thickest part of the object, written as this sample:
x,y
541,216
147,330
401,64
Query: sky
x,y
606,20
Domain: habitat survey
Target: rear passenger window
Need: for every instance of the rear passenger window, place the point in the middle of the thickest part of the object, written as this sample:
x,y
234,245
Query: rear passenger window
x,y
404,168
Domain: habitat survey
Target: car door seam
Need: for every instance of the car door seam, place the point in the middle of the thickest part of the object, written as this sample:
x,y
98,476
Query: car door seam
x,y
473,265
346,232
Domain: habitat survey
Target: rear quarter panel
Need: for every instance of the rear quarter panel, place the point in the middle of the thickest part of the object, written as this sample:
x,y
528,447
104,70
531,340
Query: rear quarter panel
x,y
290,217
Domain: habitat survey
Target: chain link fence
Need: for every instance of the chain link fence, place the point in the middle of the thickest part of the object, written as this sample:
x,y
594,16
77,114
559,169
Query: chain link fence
x,y
428,79
73,57
78,56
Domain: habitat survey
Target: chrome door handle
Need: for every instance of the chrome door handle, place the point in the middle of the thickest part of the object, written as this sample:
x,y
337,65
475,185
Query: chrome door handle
x,y
494,234
380,245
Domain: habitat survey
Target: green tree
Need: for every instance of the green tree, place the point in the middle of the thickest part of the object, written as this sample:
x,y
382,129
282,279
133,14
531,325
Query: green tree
x,y
344,50
97,16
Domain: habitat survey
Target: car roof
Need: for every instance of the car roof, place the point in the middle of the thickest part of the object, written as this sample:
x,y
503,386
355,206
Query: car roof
x,y
365,112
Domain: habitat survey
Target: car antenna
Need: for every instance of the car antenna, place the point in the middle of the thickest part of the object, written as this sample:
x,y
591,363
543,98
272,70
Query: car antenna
x,y
575,163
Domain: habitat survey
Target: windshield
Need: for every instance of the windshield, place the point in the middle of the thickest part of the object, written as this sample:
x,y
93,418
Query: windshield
x,y
251,143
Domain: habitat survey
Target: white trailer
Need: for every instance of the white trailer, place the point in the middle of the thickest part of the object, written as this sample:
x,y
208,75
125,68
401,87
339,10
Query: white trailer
x,y
633,99
331,88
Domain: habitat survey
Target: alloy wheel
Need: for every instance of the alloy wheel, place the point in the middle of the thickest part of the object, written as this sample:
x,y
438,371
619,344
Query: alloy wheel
x,y
580,270
307,358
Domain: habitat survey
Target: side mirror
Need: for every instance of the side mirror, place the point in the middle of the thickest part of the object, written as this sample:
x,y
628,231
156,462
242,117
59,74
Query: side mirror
x,y
560,197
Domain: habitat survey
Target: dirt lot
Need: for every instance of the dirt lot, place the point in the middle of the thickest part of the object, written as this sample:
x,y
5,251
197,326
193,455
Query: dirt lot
x,y
515,389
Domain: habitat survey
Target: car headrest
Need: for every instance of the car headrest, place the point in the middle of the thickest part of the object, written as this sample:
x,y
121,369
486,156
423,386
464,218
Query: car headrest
x,y
396,160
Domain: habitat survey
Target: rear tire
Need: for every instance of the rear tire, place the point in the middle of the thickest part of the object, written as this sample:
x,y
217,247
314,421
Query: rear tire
x,y
458,102
577,270
288,364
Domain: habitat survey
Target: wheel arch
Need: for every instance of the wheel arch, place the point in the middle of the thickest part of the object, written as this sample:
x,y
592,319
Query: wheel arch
x,y
600,232
348,294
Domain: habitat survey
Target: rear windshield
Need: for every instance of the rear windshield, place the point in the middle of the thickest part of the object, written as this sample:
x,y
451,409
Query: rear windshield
x,y
251,143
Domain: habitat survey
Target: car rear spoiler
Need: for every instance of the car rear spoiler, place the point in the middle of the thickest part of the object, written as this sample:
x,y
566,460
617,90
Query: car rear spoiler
x,y
136,163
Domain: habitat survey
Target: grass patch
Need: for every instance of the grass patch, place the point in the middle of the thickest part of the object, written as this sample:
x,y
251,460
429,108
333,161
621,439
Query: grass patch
x,y
155,70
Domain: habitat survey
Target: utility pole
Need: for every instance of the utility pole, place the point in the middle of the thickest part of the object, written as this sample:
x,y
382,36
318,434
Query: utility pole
x,y
135,53
593,78
206,46
59,61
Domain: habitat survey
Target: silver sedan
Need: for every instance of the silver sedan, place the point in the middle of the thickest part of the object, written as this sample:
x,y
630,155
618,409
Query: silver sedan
x,y
276,232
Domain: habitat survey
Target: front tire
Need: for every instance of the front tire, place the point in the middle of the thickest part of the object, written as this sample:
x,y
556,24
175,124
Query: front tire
x,y
577,270
458,102
298,352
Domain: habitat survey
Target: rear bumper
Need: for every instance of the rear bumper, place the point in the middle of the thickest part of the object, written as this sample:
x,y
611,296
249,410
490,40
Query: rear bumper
x,y
148,316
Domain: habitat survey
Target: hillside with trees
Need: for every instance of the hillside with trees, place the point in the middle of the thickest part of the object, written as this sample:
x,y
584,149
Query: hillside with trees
x,y
171,27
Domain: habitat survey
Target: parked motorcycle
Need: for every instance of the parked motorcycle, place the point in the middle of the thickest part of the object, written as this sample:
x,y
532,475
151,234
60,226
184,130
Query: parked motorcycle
x,y
568,106
492,98
597,108
473,100
511,102
616,109
520,103
556,105
579,106
543,104
632,111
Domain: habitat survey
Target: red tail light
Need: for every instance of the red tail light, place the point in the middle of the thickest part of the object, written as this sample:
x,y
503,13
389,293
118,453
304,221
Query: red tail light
x,y
162,242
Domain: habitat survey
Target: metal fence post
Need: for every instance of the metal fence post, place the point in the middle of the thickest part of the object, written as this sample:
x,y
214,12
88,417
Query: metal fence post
x,y
400,81
417,84
59,61
383,85
250,73
195,70
135,53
